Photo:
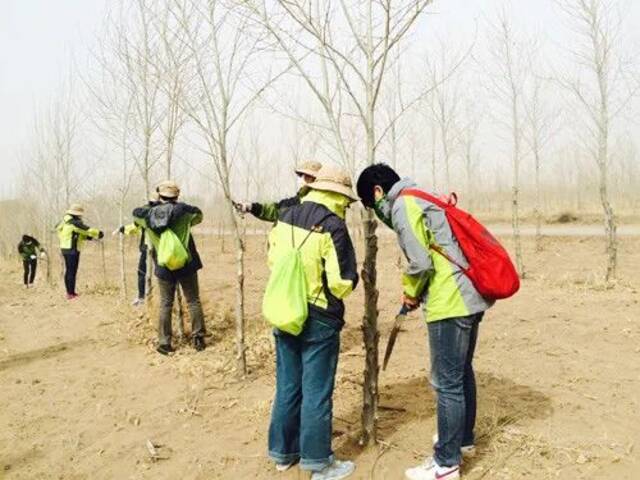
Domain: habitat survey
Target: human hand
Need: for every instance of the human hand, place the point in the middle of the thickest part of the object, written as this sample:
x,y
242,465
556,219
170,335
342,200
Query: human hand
x,y
242,207
410,302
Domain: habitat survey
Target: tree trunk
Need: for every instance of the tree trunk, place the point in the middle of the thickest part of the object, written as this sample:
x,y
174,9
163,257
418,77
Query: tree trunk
x,y
538,207
222,235
179,312
104,263
610,226
241,357
433,157
48,243
370,332
123,263
515,198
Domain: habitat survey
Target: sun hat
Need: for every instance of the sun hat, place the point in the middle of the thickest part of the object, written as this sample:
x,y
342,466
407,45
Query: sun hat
x,y
334,179
168,189
310,168
76,209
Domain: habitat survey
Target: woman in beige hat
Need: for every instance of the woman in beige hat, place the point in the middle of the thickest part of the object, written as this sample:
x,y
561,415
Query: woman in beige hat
x,y
72,233
301,420
269,212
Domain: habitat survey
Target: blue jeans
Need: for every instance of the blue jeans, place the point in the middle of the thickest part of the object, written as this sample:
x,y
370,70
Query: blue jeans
x,y
452,343
301,419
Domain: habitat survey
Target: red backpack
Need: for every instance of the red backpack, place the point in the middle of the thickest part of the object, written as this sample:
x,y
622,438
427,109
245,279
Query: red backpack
x,y
490,268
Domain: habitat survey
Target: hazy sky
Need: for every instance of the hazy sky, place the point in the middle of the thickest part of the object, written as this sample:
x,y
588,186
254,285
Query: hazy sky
x,y
38,38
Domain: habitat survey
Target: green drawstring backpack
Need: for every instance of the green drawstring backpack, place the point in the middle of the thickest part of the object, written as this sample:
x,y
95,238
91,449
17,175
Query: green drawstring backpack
x,y
171,252
285,304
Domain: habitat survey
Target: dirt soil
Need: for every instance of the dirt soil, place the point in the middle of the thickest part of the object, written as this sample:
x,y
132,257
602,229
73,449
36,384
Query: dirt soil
x,y
83,391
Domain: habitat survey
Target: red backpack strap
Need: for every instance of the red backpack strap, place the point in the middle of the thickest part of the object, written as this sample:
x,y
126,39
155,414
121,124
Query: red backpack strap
x,y
444,201
415,192
452,201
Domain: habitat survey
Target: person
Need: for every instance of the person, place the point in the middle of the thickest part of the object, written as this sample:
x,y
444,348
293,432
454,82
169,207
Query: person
x,y
269,212
72,233
133,229
301,419
453,308
29,248
181,217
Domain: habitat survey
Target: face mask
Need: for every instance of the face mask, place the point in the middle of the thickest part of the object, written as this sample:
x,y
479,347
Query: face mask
x,y
382,208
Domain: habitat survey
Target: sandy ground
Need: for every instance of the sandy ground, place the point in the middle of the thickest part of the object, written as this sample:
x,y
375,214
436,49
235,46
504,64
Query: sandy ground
x,y
83,391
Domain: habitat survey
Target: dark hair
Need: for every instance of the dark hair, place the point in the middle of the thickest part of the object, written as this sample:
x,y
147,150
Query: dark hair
x,y
378,174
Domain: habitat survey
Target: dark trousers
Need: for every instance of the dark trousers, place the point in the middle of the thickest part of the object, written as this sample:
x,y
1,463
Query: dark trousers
x,y
30,265
191,292
142,273
301,419
71,263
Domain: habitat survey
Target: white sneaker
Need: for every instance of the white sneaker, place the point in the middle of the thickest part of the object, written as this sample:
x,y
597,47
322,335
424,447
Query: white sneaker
x,y
138,301
467,451
283,467
336,471
430,470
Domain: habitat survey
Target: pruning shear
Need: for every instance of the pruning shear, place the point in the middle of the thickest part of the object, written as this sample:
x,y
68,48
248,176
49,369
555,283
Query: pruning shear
x,y
401,317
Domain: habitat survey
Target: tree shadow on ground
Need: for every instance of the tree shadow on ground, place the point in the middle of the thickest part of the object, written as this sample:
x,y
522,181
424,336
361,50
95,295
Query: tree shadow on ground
x,y
501,402
25,358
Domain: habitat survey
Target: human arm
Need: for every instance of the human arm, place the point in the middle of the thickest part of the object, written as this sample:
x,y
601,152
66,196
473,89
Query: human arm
x,y
87,232
340,264
413,238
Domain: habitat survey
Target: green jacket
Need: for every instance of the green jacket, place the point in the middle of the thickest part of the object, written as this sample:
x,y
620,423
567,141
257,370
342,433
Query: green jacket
x,y
446,290
328,256
72,233
133,229
270,212
29,247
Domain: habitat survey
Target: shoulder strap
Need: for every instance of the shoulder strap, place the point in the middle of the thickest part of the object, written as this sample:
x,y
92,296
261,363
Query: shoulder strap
x,y
452,201
317,228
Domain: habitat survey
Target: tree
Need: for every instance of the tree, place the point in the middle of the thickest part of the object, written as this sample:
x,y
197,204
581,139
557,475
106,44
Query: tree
x,y
444,104
347,46
541,123
227,81
603,84
507,83
468,141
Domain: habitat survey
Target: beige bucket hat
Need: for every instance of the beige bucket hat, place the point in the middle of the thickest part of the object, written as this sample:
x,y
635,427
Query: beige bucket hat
x,y
310,168
168,189
76,209
334,179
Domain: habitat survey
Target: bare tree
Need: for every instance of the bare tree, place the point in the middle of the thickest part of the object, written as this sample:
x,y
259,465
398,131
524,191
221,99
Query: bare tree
x,y
542,125
603,85
470,154
348,46
507,84
444,104
175,77
218,104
